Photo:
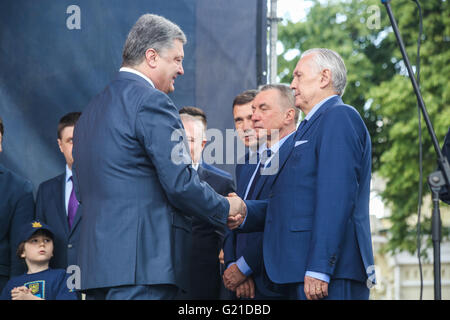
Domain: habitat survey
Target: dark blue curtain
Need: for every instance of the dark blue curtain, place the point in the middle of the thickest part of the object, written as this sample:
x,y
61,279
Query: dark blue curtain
x,y
48,69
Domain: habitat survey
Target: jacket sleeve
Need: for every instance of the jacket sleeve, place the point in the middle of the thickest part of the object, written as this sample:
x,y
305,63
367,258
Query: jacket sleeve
x,y
23,212
256,216
159,129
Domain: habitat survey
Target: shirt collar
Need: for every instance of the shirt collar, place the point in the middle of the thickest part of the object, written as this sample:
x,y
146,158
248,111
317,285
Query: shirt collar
x,y
126,69
317,106
276,146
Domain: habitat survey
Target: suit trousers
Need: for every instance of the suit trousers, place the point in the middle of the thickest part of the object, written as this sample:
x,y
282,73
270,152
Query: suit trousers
x,y
338,289
3,282
134,292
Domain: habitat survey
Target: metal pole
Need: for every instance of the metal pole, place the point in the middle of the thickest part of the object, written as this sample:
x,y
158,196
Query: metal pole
x,y
273,37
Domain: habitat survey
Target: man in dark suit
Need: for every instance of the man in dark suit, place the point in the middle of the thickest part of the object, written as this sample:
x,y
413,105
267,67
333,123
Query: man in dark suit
x,y
135,181
205,279
16,209
317,237
199,114
242,116
56,203
274,118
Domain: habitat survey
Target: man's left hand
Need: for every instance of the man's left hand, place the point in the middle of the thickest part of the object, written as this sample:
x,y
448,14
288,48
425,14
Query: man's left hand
x,y
232,277
315,289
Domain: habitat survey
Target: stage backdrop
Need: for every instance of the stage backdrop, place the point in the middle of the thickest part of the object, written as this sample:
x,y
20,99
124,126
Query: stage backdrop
x,y
55,55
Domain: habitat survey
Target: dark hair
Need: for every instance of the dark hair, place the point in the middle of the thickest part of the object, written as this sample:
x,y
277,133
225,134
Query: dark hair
x,y
195,112
68,120
1,126
21,246
244,97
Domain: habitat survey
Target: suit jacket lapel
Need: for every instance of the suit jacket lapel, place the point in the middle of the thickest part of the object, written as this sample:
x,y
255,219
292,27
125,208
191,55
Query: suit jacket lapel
x,y
301,131
282,155
61,203
245,173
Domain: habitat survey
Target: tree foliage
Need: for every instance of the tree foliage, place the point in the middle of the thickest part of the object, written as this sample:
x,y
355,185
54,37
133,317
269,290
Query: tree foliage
x,y
380,89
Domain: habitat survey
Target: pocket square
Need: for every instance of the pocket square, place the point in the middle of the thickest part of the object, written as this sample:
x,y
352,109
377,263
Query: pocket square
x,y
297,143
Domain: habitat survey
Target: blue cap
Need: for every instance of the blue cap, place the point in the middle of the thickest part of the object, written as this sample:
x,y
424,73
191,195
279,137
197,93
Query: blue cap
x,y
30,228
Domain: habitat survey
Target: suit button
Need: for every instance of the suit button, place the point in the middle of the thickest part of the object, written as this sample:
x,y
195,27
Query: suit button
x,y
69,246
332,260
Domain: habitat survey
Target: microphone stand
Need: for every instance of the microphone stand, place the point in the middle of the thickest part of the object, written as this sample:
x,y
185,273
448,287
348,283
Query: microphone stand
x,y
436,180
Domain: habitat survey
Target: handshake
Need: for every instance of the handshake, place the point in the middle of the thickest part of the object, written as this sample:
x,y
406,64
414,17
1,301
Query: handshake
x,y
237,213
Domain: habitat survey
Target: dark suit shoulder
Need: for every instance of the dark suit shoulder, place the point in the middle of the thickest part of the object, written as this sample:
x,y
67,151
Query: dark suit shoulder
x,y
219,183
50,182
14,181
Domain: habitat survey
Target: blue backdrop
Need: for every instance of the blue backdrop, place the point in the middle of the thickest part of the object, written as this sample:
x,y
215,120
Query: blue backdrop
x,y
49,68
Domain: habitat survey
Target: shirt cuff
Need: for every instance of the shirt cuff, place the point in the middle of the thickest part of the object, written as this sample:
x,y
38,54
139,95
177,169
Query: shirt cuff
x,y
243,222
244,267
317,275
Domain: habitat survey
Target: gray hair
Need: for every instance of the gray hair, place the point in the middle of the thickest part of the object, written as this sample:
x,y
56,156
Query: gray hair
x,y
331,60
150,31
286,94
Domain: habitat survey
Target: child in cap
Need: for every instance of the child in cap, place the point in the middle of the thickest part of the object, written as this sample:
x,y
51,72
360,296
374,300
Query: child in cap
x,y
40,282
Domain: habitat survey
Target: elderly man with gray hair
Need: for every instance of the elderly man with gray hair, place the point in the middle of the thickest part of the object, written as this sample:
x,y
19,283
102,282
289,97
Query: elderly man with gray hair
x,y
317,242
136,201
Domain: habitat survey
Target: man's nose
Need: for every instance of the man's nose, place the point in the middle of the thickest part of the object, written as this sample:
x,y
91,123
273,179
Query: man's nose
x,y
293,85
181,70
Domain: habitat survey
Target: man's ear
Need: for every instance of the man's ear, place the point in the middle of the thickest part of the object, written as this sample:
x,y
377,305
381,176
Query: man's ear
x,y
151,56
290,115
325,78
59,144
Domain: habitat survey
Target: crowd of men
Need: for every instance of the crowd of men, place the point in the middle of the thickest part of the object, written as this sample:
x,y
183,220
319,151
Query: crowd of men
x,y
294,224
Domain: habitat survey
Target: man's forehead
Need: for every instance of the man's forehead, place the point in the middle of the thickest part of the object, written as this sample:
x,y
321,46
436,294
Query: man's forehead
x,y
175,50
265,97
241,109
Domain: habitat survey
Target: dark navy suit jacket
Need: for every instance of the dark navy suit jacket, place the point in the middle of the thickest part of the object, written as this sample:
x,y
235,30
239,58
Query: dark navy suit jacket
x,y
207,241
251,247
51,210
137,188
317,214
16,209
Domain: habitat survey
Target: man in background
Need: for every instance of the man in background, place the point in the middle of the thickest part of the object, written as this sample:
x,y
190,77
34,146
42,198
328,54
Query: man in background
x,y
205,279
274,119
56,202
16,209
200,114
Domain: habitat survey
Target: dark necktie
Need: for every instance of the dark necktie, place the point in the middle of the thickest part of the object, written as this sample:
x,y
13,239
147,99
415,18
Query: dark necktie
x,y
264,157
72,207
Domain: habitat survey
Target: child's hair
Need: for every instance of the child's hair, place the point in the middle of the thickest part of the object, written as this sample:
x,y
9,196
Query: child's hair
x,y
21,247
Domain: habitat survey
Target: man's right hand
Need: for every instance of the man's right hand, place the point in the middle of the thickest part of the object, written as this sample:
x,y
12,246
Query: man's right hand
x,y
237,211
246,289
